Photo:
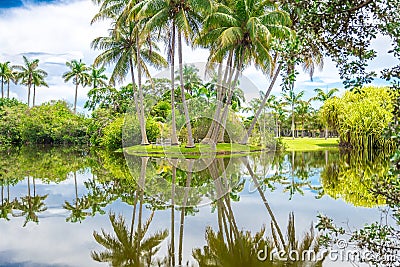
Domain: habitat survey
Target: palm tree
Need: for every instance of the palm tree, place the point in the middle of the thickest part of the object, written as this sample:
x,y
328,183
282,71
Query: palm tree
x,y
176,18
303,109
245,29
123,49
38,80
26,73
191,78
97,77
292,99
6,74
323,96
78,73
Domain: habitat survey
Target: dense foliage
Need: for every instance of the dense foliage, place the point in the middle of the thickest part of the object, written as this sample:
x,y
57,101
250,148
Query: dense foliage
x,y
49,123
361,117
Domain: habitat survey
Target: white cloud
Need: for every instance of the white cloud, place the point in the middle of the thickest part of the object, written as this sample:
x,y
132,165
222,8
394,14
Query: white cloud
x,y
56,33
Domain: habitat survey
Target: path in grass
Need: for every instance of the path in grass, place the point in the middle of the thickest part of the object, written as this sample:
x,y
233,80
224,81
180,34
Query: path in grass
x,y
309,144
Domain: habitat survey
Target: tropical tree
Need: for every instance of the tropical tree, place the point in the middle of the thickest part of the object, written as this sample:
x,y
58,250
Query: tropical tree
x,y
97,77
38,80
124,49
191,78
323,96
6,74
79,74
174,18
27,72
303,109
292,99
244,30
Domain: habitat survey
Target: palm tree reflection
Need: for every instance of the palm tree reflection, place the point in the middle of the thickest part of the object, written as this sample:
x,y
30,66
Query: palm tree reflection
x,y
130,247
30,205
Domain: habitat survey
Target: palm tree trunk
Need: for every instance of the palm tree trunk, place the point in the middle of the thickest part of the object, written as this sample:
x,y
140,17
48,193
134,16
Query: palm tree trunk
x,y
34,95
326,132
302,128
190,142
8,89
253,123
135,98
76,96
174,138
222,124
29,93
139,69
221,88
293,127
2,89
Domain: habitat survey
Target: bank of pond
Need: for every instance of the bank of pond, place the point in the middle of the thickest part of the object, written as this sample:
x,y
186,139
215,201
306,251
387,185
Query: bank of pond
x,y
126,209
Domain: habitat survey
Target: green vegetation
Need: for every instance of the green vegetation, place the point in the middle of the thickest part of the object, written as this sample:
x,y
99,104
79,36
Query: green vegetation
x,y
361,117
310,144
200,150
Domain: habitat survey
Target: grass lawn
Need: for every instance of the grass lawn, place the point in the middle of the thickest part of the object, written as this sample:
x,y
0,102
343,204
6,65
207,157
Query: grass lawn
x,y
200,150
307,144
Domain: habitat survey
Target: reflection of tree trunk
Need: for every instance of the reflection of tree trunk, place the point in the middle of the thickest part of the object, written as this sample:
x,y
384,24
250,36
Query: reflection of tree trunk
x,y
182,221
173,214
257,185
2,194
34,186
326,157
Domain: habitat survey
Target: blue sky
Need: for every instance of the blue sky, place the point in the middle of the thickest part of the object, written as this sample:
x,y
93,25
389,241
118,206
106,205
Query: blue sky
x,y
20,3
56,31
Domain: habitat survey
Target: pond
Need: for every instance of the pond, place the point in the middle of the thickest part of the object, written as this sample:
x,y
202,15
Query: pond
x,y
76,207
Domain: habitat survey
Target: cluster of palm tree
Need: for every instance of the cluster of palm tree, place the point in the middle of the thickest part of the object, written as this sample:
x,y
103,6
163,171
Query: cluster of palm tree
x,y
237,34
290,108
27,74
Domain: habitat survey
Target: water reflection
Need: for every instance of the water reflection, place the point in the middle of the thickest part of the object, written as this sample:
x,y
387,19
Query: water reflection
x,y
165,196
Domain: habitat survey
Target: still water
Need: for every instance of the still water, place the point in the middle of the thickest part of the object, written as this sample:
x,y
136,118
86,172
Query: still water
x,y
71,207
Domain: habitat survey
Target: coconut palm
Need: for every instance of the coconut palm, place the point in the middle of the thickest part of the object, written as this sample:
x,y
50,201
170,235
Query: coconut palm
x,y
6,74
191,78
120,48
79,75
97,77
292,99
175,18
38,80
303,109
322,96
26,73
247,29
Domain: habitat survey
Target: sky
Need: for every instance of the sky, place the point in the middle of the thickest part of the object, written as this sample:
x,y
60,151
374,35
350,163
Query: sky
x,y
56,31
